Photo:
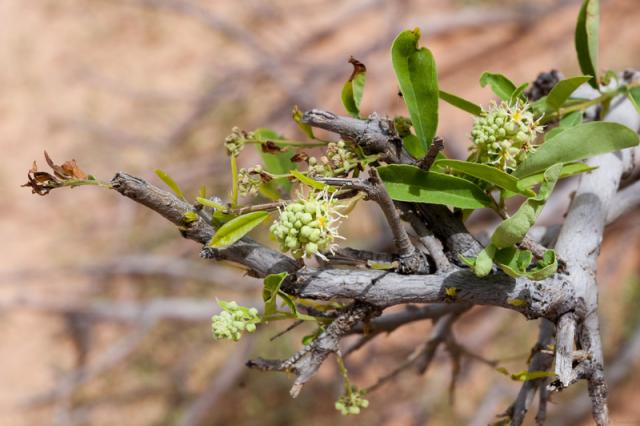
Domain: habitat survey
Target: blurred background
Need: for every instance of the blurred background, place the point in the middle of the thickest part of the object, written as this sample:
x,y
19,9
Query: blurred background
x,y
105,310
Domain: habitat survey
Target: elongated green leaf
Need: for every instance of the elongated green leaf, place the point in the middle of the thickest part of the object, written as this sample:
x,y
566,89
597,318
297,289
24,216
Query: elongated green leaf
x,y
514,229
634,97
563,90
409,183
311,182
209,203
170,183
587,39
414,146
461,103
577,143
270,291
416,72
571,120
276,163
524,376
237,228
296,114
354,87
519,93
501,85
487,173
570,169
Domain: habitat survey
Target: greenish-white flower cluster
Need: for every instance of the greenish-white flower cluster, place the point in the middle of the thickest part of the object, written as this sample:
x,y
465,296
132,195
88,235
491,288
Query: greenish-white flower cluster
x,y
249,180
236,140
352,402
233,320
337,160
504,135
308,226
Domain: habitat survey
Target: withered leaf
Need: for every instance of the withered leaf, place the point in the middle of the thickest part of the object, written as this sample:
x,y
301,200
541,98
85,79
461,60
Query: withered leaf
x,y
358,68
270,147
72,169
300,157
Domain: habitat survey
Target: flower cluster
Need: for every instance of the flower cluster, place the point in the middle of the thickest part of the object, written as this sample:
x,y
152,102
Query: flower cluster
x,y
308,226
504,135
249,180
352,402
338,158
233,320
236,140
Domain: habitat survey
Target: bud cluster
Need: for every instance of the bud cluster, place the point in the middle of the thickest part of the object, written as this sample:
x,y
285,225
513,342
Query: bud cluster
x,y
352,402
338,157
249,180
308,226
233,320
236,140
504,135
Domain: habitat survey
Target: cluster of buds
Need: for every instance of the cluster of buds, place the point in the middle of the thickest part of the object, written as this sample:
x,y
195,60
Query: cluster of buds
x,y
352,402
249,180
236,140
233,320
308,226
504,135
338,160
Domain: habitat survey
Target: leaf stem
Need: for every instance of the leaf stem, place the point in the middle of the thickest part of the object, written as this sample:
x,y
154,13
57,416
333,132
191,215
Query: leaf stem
x,y
234,177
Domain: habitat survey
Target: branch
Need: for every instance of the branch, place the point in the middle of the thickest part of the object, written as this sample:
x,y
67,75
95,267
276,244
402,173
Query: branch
x,y
306,362
549,298
260,260
375,135
540,361
411,260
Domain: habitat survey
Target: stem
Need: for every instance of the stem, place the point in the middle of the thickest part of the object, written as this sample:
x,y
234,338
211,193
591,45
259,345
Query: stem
x,y
287,142
344,373
234,177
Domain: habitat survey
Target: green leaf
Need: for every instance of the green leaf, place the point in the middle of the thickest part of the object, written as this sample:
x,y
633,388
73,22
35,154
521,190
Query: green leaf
x,y
170,183
569,169
459,102
501,85
416,72
413,146
587,39
561,91
487,173
518,93
409,183
296,114
209,203
278,163
513,261
311,182
545,267
524,376
576,143
512,230
354,87
634,96
571,120
237,228
482,264
270,291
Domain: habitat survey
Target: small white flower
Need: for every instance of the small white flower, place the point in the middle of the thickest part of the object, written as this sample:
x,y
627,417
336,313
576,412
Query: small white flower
x,y
504,135
308,226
